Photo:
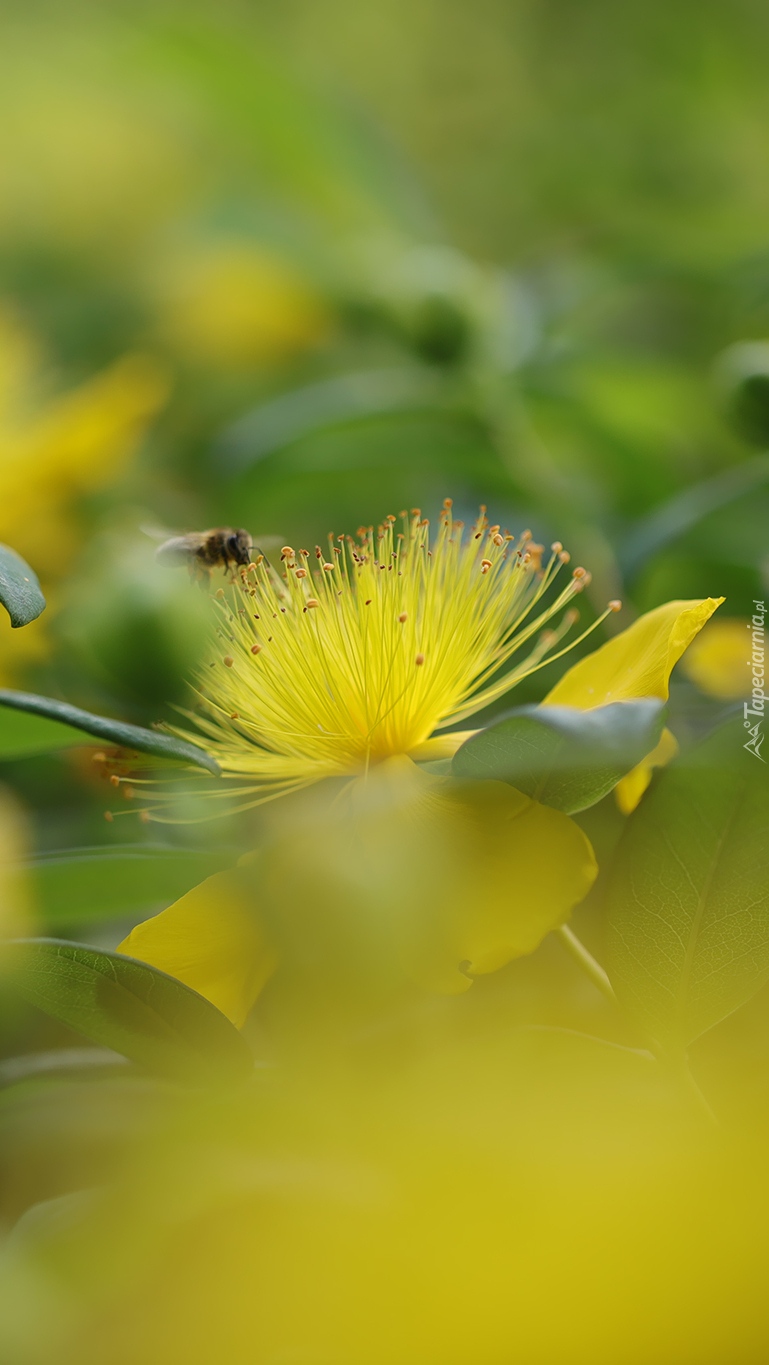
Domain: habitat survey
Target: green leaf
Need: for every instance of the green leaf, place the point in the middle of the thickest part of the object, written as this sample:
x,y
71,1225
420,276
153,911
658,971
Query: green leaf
x,y
128,1006
83,885
19,589
680,513
688,900
112,731
560,755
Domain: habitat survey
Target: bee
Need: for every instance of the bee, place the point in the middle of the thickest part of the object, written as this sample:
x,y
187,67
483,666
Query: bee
x,y
205,550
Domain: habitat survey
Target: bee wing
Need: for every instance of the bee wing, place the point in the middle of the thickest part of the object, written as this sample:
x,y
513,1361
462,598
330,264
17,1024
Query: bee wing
x,y
158,533
177,550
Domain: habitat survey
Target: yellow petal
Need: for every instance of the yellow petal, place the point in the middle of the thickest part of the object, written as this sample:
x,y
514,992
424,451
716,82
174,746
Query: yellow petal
x,y
440,746
424,876
508,871
631,787
636,663
212,940
718,661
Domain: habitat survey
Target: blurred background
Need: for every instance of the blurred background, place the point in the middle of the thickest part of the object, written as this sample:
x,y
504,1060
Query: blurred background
x,y
285,267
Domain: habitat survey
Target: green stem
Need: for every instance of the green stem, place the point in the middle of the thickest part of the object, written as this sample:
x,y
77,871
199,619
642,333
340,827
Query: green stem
x,y
677,1067
586,961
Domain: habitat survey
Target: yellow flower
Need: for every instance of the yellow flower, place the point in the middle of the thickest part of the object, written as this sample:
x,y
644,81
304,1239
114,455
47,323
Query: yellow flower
x,y
348,671
636,663
327,669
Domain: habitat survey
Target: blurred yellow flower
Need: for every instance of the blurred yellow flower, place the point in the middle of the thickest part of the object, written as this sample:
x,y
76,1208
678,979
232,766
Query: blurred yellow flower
x,y
718,661
237,305
52,454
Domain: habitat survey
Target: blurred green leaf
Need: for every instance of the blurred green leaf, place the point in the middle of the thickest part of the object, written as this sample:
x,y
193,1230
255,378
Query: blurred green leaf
x,y
680,513
113,731
316,407
128,1006
63,1061
742,374
561,756
81,885
303,144
688,901
19,589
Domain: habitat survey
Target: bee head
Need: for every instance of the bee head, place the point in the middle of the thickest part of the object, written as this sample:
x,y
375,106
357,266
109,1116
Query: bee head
x,y
239,547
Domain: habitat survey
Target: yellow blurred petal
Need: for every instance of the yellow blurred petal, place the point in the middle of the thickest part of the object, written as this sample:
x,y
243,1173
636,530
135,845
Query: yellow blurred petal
x,y
446,879
440,746
212,940
718,661
638,662
507,871
631,787
81,441
19,360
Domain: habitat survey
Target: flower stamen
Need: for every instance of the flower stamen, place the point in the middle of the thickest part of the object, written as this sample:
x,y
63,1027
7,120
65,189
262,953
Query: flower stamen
x,y
387,641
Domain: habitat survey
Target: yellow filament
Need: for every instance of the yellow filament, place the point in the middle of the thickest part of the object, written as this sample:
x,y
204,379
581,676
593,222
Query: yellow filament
x,y
322,672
